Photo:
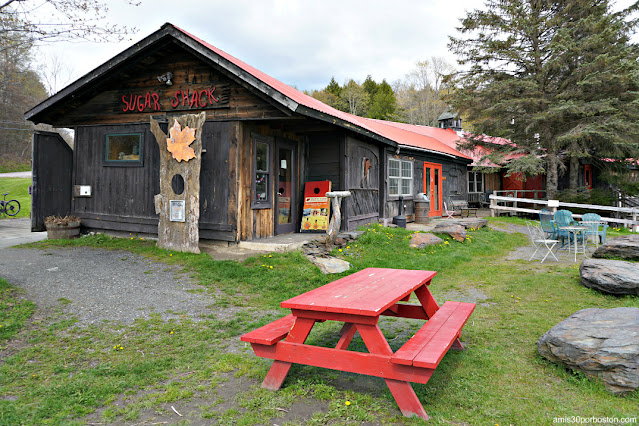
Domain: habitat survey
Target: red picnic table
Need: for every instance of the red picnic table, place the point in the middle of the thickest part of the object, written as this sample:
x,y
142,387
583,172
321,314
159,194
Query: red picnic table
x,y
358,300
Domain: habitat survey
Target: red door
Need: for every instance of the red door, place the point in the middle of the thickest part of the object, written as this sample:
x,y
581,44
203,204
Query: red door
x,y
433,187
588,176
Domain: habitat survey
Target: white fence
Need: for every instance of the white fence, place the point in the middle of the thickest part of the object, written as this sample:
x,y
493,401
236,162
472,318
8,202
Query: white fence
x,y
511,204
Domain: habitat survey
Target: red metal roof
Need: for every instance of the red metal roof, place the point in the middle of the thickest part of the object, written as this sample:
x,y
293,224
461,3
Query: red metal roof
x,y
403,134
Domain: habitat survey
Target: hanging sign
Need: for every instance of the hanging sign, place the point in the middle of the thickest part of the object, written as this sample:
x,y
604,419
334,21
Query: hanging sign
x,y
315,215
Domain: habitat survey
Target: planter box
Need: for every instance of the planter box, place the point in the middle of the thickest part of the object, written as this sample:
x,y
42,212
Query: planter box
x,y
56,232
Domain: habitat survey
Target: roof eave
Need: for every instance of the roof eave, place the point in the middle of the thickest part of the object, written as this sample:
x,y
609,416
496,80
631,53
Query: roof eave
x,y
237,71
313,113
95,74
432,151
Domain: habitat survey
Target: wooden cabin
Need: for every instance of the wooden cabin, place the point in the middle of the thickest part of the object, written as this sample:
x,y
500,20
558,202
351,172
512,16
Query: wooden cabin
x,y
261,142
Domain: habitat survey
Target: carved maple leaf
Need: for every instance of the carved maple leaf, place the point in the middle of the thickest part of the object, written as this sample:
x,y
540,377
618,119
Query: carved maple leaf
x,y
178,143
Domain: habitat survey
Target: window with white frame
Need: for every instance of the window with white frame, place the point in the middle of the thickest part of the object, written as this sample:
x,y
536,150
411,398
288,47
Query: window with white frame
x,y
400,177
475,182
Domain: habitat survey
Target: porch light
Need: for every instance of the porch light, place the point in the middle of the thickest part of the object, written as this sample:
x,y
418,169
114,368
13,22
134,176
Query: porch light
x,y
166,78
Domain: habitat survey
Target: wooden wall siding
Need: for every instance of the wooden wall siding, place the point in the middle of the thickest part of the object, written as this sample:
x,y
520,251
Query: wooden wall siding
x,y
492,182
51,193
323,159
260,223
362,177
102,103
121,195
456,185
217,208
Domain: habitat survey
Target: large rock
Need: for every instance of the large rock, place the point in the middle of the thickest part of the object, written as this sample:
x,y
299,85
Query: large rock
x,y
626,247
610,276
471,222
456,231
330,265
600,343
421,240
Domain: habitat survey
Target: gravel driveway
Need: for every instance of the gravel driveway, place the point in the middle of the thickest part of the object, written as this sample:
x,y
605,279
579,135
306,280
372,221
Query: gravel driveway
x,y
102,284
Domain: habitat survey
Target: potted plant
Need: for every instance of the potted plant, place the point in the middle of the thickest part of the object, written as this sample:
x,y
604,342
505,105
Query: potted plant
x,y
62,227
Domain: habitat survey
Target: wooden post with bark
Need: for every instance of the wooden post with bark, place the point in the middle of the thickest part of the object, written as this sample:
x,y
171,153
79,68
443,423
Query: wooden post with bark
x,y
336,219
180,162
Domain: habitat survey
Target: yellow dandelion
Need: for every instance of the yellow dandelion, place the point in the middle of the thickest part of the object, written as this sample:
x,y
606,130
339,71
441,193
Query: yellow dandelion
x,y
270,255
131,237
271,267
340,249
347,403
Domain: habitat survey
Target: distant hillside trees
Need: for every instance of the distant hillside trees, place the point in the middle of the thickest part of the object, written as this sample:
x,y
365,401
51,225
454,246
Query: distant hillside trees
x,y
416,99
368,99
20,89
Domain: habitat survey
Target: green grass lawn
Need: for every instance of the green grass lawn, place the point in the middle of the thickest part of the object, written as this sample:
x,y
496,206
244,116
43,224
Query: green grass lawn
x,y
18,189
58,373
12,166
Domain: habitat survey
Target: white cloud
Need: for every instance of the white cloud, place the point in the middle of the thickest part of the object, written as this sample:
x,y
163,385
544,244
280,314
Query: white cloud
x,y
300,43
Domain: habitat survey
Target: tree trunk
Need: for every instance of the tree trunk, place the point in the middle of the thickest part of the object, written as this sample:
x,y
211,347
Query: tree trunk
x,y
180,234
552,176
573,182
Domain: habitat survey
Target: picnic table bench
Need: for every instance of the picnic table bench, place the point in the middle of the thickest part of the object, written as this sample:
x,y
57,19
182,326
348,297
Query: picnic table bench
x,y
358,301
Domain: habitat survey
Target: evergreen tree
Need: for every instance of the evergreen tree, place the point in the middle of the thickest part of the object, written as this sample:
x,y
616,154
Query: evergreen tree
x,y
333,87
370,86
383,104
559,79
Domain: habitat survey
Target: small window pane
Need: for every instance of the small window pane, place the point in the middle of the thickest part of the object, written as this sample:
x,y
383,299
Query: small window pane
x,y
393,186
261,186
393,168
123,148
407,169
406,184
261,157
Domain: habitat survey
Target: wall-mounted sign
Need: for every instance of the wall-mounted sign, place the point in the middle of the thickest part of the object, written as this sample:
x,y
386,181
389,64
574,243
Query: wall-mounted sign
x,y
216,96
178,143
177,213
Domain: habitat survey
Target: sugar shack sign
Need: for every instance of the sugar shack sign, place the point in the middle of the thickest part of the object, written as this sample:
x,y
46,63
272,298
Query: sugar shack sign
x,y
178,99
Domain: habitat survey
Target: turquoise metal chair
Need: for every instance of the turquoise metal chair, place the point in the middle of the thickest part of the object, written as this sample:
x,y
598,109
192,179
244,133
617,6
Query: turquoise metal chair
x,y
547,224
563,218
597,228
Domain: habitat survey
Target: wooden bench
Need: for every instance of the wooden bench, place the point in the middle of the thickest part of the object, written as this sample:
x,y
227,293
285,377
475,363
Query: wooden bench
x,y
429,345
272,332
462,206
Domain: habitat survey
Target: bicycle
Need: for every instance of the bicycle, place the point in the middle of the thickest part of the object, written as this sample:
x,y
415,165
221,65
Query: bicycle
x,y
9,207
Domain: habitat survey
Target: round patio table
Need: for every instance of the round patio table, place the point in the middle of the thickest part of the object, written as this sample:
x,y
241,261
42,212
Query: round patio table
x,y
574,231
